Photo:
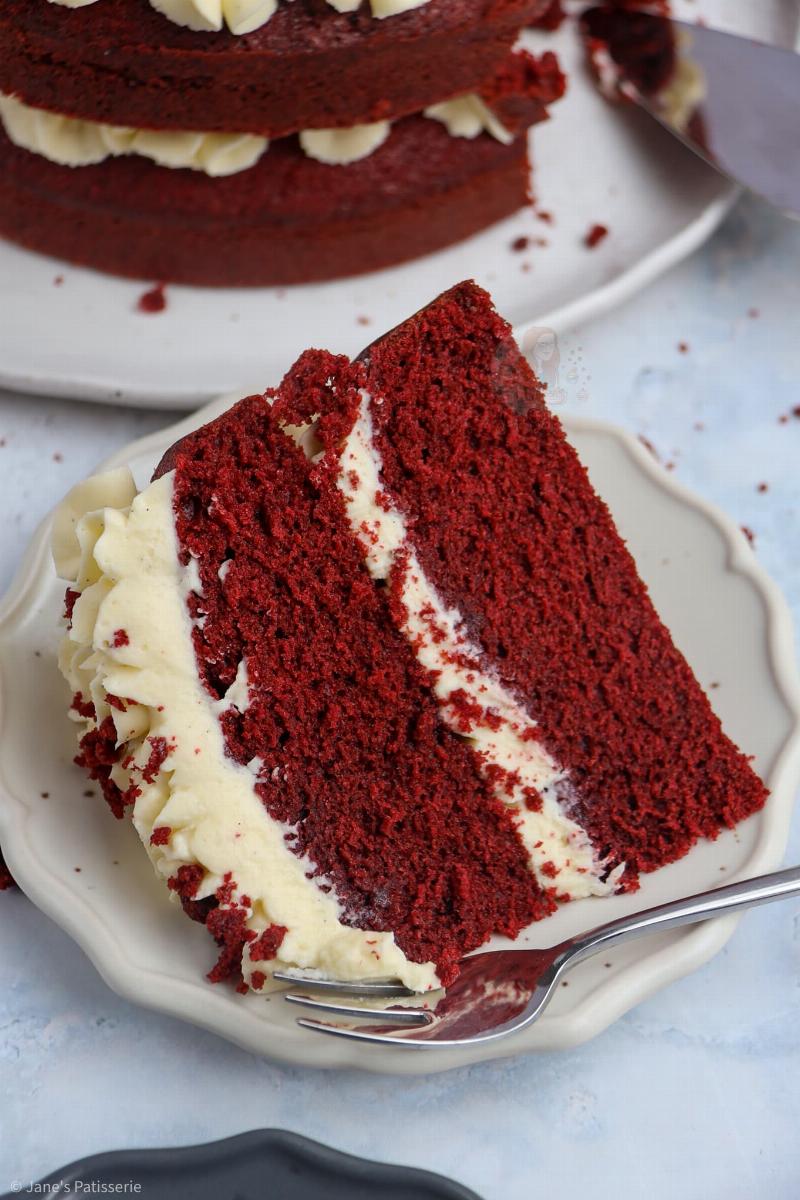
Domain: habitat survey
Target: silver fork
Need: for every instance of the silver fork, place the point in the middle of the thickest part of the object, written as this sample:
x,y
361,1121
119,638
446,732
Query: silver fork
x,y
501,991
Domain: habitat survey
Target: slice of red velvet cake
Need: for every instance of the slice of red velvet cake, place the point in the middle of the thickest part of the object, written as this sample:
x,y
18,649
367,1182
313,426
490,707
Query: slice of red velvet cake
x,y
372,670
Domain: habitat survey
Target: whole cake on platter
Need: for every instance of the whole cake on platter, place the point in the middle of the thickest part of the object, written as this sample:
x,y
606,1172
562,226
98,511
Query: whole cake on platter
x,y
372,671
249,142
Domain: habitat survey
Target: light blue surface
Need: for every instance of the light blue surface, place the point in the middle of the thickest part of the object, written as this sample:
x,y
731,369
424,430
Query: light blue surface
x,y
695,1094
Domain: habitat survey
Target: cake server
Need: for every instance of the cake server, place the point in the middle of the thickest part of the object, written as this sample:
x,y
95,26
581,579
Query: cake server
x,y
735,102
501,991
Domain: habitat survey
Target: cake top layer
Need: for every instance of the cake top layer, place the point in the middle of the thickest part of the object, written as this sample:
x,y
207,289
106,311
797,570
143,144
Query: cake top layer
x,y
303,27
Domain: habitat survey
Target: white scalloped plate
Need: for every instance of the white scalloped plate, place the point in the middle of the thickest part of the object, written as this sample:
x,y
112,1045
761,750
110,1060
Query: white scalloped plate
x,y
727,617
594,164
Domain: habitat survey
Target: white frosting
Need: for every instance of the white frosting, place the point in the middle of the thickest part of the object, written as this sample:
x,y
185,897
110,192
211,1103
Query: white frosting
x,y
500,730
76,143
240,16
467,117
390,8
119,550
337,147
73,142
243,16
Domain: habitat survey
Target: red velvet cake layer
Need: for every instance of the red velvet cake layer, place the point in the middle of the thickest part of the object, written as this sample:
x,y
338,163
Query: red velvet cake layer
x,y
288,219
388,804
510,532
309,67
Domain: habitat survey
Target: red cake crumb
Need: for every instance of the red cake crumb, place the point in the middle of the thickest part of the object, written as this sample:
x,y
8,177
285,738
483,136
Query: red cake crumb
x,y
152,301
683,347
595,236
70,598
59,279
160,835
520,243
159,752
753,313
267,945
545,216
257,980
227,924
120,639
553,18
762,487
58,456
186,881
97,755
84,708
648,445
6,879
748,533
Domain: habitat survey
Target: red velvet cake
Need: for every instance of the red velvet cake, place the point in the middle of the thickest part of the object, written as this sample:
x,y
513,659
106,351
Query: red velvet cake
x,y
250,142
372,670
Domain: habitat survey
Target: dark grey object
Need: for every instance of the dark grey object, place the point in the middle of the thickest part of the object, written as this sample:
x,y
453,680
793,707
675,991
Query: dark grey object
x,y
266,1164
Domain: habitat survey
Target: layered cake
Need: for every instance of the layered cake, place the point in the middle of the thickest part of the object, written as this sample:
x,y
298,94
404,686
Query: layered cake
x,y
229,142
373,673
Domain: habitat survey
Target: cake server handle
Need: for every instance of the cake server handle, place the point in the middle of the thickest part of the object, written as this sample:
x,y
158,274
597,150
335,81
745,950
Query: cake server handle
x,y
720,901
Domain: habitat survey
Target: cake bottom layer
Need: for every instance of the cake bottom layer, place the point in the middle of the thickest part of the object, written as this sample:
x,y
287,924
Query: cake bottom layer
x,y
286,220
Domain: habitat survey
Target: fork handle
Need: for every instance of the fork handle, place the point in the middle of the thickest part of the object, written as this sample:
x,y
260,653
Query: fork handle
x,y
720,901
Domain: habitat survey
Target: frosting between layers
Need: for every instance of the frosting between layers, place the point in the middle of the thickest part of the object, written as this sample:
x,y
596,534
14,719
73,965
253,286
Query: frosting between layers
x,y
243,16
472,700
74,142
119,550
467,117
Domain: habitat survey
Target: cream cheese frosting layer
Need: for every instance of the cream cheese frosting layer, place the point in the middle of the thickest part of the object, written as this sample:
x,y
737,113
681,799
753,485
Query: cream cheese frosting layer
x,y
131,638
472,699
74,142
243,16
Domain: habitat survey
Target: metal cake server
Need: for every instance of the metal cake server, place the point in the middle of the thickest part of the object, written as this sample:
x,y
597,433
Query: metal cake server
x,y
501,991
735,102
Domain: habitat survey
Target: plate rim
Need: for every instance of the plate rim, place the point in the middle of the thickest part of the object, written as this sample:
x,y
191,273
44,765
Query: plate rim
x,y
155,989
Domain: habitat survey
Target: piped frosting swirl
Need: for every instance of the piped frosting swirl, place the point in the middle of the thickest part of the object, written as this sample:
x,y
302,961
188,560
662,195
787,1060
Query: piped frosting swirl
x,y
245,16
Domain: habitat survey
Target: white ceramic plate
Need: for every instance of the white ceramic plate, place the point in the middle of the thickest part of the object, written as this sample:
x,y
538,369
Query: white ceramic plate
x,y
726,616
595,163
